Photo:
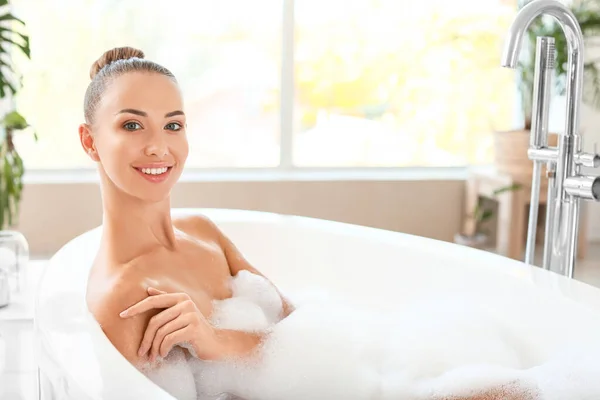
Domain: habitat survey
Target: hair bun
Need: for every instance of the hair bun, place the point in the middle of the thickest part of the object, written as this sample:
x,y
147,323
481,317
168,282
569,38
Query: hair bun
x,y
110,56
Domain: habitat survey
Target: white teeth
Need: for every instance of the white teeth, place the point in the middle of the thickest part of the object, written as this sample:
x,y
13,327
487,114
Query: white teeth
x,y
154,171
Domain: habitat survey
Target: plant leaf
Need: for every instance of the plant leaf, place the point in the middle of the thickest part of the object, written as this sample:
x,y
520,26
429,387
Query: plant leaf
x,y
509,188
14,120
7,191
24,47
487,214
10,17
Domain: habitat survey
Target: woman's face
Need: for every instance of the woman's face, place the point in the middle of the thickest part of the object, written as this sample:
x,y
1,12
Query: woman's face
x,y
139,135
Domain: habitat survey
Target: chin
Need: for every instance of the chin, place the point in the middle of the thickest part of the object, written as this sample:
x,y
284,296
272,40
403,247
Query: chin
x,y
148,192
153,193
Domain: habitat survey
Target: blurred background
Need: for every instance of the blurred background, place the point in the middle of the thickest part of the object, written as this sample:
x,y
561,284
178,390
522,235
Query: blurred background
x,y
374,112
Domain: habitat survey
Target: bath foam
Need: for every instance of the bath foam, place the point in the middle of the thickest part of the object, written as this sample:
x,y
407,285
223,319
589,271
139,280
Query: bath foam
x,y
439,348
322,352
572,374
254,305
174,375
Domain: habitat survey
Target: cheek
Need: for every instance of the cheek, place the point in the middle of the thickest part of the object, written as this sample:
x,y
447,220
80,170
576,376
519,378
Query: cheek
x,y
114,150
182,147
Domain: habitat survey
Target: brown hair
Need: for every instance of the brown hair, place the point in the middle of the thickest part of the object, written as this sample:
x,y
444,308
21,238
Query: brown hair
x,y
111,64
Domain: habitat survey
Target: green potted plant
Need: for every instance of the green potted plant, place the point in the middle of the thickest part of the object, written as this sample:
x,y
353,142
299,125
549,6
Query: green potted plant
x,y
479,237
11,174
511,146
11,164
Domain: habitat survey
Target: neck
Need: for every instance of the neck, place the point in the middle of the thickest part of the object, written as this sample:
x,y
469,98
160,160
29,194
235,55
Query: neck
x,y
132,227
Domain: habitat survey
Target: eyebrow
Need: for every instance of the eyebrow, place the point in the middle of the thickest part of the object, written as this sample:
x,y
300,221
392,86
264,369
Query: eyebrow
x,y
144,114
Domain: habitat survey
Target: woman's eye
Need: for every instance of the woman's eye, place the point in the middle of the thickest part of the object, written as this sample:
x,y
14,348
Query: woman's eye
x,y
173,126
131,126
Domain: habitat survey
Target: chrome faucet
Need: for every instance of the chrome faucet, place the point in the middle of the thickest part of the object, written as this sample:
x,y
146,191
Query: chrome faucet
x,y
566,185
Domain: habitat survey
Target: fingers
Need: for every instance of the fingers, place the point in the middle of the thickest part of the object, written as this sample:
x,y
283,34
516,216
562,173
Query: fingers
x,y
173,338
155,323
154,291
172,326
158,301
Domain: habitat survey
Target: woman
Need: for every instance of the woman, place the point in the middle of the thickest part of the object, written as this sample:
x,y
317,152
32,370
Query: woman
x,y
154,278
135,131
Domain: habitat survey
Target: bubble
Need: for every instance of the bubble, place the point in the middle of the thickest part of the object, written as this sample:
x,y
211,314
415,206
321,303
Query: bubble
x,y
438,348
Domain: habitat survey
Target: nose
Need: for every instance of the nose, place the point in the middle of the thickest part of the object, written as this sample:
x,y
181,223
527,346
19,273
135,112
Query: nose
x,y
157,145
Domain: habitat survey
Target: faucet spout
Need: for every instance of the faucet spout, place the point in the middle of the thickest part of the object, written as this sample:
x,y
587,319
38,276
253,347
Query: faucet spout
x,y
525,17
574,80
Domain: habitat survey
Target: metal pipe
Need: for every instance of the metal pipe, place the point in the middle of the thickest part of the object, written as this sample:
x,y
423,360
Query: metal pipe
x,y
549,216
542,87
533,213
544,67
573,234
585,187
588,160
544,154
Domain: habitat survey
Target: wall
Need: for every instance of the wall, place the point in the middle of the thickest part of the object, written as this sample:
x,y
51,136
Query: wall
x,y
52,214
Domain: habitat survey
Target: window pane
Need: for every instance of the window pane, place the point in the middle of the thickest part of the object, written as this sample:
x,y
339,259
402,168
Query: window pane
x,y
400,83
225,54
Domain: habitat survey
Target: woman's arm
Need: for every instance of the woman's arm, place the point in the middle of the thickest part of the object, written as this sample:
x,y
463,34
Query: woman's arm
x,y
237,262
179,322
124,334
237,344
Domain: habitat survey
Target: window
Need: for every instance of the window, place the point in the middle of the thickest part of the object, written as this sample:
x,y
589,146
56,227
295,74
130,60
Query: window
x,y
374,83
226,56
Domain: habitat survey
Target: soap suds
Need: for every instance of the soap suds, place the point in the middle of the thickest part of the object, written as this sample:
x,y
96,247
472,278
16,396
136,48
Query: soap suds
x,y
435,348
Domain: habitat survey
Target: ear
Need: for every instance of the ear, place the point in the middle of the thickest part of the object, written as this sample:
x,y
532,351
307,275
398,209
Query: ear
x,y
87,141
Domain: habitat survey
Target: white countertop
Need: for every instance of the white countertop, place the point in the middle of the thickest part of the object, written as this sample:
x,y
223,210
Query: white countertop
x,y
21,306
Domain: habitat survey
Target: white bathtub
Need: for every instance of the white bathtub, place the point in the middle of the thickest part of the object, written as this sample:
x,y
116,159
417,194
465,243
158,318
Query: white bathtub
x,y
370,266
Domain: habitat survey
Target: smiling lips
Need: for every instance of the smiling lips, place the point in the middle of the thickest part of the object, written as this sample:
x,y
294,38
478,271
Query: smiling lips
x,y
155,173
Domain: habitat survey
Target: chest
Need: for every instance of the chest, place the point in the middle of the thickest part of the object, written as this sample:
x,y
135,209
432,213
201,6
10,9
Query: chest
x,y
197,269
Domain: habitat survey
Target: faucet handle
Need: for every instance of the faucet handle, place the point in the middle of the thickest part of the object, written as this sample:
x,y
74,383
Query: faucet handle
x,y
590,160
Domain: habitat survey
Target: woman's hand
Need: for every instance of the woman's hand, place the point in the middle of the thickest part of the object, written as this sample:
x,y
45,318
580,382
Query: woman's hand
x,y
179,323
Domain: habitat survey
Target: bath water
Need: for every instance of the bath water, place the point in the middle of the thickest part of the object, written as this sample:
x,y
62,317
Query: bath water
x,y
432,348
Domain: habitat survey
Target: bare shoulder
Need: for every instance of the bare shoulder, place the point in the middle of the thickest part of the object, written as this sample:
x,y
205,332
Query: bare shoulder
x,y
202,227
122,292
199,226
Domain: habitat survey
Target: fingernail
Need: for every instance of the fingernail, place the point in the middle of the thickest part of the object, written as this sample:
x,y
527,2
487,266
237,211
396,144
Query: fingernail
x,y
123,313
141,352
